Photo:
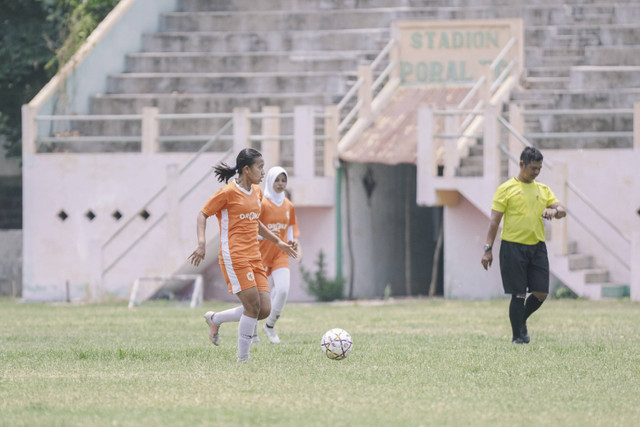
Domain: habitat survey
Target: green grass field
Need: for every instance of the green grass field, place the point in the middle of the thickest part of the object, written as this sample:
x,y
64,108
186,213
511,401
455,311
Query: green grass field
x,y
414,362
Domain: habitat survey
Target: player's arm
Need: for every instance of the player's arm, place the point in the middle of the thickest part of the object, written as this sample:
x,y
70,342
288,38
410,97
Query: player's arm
x,y
554,210
201,230
494,223
270,236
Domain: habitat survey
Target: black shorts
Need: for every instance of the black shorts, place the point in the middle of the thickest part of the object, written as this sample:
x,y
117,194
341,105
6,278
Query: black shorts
x,y
524,268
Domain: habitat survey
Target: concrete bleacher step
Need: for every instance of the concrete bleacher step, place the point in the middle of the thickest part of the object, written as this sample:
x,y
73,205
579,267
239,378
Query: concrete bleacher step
x,y
352,39
546,82
556,71
229,82
612,55
176,62
207,102
605,77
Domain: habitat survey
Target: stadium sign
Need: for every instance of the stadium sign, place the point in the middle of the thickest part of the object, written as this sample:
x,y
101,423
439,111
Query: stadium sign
x,y
454,52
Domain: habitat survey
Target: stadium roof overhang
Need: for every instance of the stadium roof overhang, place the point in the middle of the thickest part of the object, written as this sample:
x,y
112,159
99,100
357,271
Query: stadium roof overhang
x,y
392,136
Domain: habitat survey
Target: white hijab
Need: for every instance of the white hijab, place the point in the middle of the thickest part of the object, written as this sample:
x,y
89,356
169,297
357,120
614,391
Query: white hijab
x,y
276,198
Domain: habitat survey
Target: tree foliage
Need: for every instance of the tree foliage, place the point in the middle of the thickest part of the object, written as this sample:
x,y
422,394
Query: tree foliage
x,y
36,38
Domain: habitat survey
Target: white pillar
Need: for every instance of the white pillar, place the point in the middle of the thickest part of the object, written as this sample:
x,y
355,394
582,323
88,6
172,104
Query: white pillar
x,y
331,122
241,130
426,170
150,130
270,147
173,247
635,266
303,142
29,130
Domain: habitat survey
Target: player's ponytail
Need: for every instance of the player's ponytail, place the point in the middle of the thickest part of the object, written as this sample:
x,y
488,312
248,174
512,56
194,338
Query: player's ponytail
x,y
246,157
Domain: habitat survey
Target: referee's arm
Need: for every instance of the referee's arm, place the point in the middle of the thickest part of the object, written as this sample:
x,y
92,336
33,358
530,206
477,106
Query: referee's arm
x,y
494,223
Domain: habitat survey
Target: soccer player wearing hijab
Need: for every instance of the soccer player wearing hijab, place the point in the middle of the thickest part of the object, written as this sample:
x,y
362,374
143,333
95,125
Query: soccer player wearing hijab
x,y
279,216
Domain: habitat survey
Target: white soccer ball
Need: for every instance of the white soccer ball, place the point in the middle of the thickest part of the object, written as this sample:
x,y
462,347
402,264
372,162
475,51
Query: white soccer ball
x,y
336,344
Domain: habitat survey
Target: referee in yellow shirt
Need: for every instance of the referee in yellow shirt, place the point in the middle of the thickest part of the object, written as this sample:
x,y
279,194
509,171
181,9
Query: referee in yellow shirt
x,y
524,264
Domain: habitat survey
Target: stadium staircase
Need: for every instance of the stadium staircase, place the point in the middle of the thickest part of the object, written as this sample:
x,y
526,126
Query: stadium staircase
x,y
214,56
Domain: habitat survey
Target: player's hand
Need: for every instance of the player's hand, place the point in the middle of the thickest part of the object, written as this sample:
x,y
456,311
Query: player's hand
x,y
487,259
197,256
296,247
287,249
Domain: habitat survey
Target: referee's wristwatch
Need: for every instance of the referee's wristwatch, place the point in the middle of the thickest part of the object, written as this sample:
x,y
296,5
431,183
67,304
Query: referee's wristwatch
x,y
487,247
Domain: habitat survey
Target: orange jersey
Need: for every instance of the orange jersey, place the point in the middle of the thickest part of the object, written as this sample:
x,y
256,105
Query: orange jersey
x,y
281,221
238,212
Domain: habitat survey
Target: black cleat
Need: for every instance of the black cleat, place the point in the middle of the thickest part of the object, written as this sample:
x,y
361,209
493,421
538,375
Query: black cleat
x,y
524,334
517,341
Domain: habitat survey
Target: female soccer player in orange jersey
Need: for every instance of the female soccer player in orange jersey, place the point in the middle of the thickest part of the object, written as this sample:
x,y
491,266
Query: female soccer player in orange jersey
x,y
279,216
237,206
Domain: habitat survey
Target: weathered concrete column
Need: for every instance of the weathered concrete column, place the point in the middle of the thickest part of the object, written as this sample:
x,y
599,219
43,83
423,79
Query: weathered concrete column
x,y
150,130
303,141
270,146
426,170
29,130
331,122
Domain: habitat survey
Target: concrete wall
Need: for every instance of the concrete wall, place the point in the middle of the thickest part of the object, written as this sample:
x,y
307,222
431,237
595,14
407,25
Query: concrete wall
x,y
59,251
609,180
465,234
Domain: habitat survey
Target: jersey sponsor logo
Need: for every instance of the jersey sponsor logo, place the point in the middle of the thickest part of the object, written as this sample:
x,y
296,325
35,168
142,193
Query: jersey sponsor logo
x,y
250,276
277,226
251,216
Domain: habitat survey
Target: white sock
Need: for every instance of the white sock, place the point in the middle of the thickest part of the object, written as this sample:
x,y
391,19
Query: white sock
x,y
245,333
279,293
230,315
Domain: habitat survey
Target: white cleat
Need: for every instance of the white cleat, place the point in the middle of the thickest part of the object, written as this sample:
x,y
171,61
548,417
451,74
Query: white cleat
x,y
255,340
213,328
271,334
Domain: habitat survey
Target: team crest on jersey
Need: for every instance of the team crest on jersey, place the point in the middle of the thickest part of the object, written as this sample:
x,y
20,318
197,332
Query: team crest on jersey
x,y
250,276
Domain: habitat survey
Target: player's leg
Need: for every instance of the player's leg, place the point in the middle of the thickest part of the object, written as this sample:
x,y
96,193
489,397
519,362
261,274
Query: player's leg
x,y
250,299
513,262
281,283
213,319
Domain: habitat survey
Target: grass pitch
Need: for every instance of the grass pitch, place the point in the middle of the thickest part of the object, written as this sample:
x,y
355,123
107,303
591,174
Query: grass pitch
x,y
414,362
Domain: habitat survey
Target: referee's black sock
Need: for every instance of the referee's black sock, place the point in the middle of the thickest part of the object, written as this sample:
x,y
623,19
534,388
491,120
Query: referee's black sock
x,y
531,305
516,314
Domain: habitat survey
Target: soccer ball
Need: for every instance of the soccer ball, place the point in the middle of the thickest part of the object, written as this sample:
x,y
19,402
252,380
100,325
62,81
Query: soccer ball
x,y
336,344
